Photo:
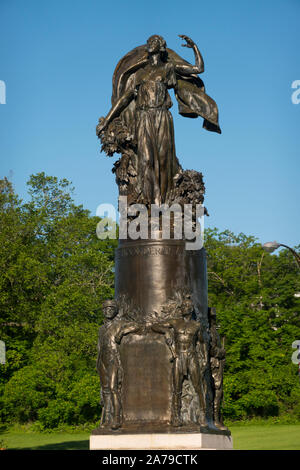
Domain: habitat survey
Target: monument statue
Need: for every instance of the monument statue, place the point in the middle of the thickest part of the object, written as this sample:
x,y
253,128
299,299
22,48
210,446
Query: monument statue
x,y
160,360
140,125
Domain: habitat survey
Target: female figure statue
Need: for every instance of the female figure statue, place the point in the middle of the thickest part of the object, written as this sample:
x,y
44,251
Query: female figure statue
x,y
140,97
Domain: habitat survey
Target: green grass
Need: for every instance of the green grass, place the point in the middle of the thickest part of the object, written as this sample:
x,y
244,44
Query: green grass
x,y
247,437
43,441
266,437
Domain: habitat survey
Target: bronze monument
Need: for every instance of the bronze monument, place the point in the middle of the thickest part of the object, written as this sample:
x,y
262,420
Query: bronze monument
x,y
160,359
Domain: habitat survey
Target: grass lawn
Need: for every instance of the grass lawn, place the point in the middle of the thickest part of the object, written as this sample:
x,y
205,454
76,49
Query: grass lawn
x,y
43,441
247,437
266,437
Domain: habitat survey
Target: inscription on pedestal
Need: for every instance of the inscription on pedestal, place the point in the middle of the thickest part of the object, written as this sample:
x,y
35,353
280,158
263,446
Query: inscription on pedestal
x,y
147,382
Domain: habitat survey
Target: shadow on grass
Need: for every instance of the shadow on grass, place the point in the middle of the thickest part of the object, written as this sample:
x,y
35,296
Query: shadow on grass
x,y
69,445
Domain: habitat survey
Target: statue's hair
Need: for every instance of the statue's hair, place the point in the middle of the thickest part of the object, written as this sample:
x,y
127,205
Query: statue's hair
x,y
109,302
162,42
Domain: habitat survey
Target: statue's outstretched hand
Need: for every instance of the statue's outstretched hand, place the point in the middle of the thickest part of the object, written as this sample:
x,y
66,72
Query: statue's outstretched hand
x,y
189,42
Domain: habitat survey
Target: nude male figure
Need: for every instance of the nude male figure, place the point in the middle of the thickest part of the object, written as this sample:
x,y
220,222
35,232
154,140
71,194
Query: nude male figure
x,y
187,334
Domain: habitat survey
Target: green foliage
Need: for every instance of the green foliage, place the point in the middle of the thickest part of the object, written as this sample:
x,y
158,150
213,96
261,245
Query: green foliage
x,y
258,316
58,411
26,391
54,274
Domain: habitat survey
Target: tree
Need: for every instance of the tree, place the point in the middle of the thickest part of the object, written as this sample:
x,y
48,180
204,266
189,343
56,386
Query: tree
x,y
258,313
55,274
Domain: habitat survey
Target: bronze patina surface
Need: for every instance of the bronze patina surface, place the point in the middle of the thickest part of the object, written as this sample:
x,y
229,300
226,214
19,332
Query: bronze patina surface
x,y
160,358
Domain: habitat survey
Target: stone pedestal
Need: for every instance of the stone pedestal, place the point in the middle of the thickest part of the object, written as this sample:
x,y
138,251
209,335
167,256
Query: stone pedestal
x,y
161,441
154,354
149,274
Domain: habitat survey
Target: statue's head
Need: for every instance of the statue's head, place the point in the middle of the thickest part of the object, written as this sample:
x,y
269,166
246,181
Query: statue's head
x,y
187,307
110,309
156,44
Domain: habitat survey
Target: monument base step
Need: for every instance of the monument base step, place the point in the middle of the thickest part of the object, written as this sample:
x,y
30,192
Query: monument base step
x,y
163,441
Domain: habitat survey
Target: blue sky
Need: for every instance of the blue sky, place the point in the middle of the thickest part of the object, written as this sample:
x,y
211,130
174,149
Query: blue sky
x,y
57,60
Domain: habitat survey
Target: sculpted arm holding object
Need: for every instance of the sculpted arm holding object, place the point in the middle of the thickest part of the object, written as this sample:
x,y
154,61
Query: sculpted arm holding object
x,y
164,328
115,111
127,329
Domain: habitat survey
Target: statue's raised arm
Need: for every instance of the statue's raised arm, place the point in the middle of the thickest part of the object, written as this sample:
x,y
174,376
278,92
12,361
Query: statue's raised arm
x,y
187,69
